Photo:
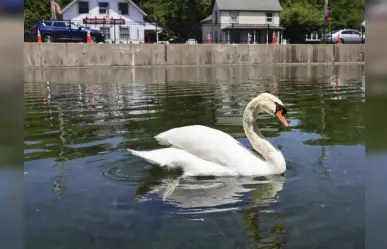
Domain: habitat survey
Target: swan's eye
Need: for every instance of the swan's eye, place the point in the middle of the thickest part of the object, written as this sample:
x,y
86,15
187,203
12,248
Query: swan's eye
x,y
281,108
284,111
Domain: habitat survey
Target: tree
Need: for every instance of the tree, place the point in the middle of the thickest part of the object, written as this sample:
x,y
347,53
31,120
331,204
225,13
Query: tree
x,y
299,19
179,18
347,13
305,16
40,9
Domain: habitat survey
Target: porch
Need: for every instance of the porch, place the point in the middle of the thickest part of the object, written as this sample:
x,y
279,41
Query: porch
x,y
250,34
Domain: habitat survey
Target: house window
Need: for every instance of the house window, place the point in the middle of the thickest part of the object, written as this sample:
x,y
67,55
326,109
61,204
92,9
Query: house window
x,y
103,7
216,17
106,32
124,34
123,8
83,7
269,17
234,16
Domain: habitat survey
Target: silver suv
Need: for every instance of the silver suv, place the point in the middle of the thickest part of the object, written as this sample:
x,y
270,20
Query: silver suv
x,y
346,36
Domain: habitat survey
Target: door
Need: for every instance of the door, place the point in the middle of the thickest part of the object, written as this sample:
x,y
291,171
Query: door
x,y
346,36
235,37
356,37
78,33
61,31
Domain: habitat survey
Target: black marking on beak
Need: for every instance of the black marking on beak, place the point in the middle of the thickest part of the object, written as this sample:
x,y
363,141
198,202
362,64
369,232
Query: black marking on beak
x,y
279,107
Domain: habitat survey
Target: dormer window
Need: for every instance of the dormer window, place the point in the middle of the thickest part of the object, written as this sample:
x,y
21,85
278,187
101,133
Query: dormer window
x,y
269,17
83,7
123,8
103,7
234,16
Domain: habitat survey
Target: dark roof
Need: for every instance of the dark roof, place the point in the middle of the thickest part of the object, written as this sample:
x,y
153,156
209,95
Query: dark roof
x,y
249,5
207,19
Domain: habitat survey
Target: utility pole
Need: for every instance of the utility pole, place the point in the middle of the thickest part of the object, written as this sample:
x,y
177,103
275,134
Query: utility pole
x,y
53,12
326,16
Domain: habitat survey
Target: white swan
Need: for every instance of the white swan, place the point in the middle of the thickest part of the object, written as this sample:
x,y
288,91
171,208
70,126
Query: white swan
x,y
200,150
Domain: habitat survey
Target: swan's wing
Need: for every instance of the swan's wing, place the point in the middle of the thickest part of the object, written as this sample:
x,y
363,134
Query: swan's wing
x,y
209,144
190,164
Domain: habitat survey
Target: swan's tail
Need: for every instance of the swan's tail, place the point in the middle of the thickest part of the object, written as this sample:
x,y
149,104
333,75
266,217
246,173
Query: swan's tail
x,y
177,158
158,157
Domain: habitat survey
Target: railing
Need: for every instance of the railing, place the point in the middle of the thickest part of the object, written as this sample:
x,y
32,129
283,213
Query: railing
x,y
235,33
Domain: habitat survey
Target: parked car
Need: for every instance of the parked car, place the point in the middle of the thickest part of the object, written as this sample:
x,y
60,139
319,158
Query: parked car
x,y
191,41
161,42
346,36
66,31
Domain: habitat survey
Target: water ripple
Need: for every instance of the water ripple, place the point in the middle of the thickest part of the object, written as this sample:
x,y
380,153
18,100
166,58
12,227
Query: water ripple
x,y
81,182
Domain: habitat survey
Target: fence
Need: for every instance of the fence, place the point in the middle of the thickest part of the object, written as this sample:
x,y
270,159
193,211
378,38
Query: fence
x,y
118,31
115,31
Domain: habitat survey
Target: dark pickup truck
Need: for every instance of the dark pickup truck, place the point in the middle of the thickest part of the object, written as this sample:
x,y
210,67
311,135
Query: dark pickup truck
x,y
66,31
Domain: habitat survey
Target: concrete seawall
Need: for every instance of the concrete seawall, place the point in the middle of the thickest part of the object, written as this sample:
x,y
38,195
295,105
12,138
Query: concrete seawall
x,y
96,55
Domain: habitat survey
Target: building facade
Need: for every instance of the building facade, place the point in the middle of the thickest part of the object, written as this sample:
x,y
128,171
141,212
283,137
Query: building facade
x,y
122,21
243,21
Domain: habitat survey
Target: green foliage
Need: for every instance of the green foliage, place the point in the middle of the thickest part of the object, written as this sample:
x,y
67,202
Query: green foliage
x,y
179,18
304,16
40,9
36,9
300,18
347,13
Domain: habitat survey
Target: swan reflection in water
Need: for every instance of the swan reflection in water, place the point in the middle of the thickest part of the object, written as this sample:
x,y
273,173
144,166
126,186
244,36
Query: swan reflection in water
x,y
195,196
212,194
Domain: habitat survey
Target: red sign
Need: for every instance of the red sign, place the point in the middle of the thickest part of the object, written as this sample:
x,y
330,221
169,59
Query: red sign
x,y
103,21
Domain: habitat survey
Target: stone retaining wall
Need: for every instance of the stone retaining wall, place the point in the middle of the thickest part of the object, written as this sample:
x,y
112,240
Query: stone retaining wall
x,y
94,55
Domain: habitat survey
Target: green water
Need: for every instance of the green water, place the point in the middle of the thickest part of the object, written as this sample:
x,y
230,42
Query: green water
x,y
83,190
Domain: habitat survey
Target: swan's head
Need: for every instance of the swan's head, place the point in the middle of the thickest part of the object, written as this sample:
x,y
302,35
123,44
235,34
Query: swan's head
x,y
272,105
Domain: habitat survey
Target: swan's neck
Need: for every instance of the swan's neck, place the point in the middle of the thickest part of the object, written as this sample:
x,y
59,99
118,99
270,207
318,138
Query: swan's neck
x,y
272,155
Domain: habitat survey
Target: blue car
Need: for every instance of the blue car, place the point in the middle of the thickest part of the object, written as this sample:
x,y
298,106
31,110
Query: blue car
x,y
66,31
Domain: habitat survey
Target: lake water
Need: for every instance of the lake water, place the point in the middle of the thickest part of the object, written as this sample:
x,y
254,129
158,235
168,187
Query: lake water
x,y
83,190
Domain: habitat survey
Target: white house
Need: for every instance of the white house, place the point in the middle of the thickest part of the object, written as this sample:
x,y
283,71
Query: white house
x,y
243,21
122,21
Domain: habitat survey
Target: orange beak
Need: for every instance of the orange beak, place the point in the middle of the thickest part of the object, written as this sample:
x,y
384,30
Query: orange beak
x,y
281,118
